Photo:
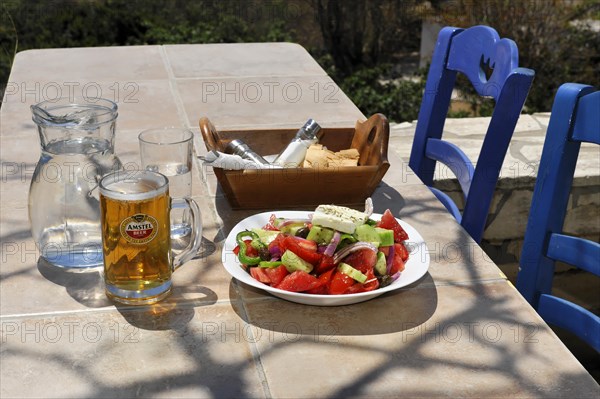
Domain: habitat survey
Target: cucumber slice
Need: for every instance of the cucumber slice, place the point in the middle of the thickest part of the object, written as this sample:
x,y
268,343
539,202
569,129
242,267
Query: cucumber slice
x,y
381,265
367,233
292,228
352,272
321,235
293,262
266,236
386,237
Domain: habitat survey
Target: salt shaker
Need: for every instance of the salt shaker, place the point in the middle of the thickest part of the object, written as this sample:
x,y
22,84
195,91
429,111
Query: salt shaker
x,y
238,147
293,155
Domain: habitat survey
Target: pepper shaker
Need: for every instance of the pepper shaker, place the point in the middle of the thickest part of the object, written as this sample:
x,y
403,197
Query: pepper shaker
x,y
239,147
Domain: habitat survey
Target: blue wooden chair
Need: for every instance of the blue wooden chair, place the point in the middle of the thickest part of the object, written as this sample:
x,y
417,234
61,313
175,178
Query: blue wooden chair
x,y
575,118
470,51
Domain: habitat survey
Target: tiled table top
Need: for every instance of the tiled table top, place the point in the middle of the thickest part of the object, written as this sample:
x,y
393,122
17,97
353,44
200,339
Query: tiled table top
x,y
462,330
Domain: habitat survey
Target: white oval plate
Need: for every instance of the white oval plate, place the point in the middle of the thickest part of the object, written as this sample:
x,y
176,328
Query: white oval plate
x,y
416,266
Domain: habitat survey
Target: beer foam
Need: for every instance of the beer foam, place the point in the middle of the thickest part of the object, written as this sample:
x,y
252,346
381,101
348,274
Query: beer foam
x,y
133,186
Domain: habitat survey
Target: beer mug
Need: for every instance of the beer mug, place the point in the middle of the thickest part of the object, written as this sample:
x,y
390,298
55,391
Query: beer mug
x,y
136,236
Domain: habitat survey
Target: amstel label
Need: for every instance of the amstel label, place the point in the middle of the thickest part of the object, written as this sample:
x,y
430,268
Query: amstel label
x,y
139,228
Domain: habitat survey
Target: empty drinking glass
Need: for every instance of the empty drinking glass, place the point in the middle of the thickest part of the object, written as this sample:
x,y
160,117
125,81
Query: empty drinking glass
x,y
169,151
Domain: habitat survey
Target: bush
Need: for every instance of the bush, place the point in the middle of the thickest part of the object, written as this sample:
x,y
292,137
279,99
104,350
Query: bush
x,y
29,24
399,100
549,41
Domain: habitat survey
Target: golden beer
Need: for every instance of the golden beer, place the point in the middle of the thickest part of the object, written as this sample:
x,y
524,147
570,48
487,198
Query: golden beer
x,y
136,236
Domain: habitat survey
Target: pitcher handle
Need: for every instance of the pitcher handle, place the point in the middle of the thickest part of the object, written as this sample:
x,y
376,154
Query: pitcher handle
x,y
192,249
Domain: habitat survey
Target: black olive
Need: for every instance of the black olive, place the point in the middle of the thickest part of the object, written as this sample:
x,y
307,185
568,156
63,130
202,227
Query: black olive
x,y
264,254
384,281
302,232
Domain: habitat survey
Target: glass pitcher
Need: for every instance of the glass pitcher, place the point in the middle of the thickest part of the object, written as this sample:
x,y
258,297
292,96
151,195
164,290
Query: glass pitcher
x,y
77,144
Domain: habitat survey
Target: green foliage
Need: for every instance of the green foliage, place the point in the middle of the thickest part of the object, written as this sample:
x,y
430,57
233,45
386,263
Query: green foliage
x,y
354,41
398,99
28,24
459,114
553,42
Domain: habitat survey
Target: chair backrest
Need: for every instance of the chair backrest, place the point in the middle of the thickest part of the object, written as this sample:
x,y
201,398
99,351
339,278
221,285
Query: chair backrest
x,y
471,52
575,119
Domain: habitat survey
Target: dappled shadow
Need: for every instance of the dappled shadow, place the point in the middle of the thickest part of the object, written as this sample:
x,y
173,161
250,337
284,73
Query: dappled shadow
x,y
215,378
173,313
12,251
86,286
387,197
274,314
417,317
207,248
412,314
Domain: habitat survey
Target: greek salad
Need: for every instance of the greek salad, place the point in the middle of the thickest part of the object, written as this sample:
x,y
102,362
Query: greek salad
x,y
336,250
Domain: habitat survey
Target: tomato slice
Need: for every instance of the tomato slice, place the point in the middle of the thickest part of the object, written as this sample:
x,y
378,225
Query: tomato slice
x,y
276,274
323,286
309,245
397,262
298,281
250,250
385,250
325,264
278,242
371,284
259,274
388,221
363,260
340,282
401,249
291,243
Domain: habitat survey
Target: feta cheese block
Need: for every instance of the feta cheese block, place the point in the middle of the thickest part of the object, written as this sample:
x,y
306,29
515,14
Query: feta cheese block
x,y
338,218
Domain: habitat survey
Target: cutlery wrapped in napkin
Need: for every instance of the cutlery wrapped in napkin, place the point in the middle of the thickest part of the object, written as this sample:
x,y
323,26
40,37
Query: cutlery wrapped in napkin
x,y
218,159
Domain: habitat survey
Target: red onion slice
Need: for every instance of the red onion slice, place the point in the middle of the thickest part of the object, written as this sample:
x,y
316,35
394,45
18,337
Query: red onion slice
x,y
389,260
275,252
287,222
335,240
353,248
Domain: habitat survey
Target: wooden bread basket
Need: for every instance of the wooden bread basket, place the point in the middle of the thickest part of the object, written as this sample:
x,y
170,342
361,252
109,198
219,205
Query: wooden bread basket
x,y
303,187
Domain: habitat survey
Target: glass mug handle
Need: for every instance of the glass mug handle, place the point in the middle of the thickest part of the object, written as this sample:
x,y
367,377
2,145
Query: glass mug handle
x,y
196,240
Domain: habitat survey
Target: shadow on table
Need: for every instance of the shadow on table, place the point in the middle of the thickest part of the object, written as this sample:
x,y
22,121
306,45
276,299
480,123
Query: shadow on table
x,y
387,197
87,287
404,309
207,248
173,313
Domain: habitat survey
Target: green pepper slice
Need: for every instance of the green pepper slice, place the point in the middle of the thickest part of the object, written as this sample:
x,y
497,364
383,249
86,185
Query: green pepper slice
x,y
244,259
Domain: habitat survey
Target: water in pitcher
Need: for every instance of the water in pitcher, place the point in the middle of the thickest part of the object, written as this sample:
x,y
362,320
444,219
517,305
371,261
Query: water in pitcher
x,y
64,203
